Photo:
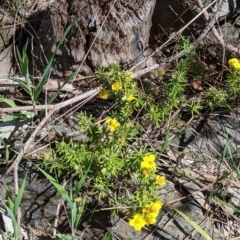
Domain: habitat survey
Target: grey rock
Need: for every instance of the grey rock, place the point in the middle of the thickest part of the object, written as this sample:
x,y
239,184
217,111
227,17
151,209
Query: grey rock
x,y
39,201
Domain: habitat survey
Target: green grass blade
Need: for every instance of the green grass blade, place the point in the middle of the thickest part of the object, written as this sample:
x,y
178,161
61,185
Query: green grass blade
x,y
80,212
21,83
223,176
68,79
45,75
20,60
193,224
59,187
108,236
70,190
24,63
228,205
8,102
9,198
22,115
19,196
8,118
166,140
235,197
14,221
73,216
81,182
228,150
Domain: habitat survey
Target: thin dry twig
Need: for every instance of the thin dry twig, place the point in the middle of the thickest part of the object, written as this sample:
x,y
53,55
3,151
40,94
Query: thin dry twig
x,y
174,36
164,64
203,176
49,107
214,30
210,178
14,165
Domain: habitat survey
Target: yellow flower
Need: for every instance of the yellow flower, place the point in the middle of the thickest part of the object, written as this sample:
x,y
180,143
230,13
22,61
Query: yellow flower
x,y
113,124
137,222
104,94
116,86
76,167
146,172
234,63
150,218
149,162
130,97
161,180
127,74
160,73
150,157
157,206
153,208
46,156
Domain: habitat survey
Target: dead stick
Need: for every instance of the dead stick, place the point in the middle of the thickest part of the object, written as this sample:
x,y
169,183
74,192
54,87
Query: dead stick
x,y
53,106
214,30
210,26
16,162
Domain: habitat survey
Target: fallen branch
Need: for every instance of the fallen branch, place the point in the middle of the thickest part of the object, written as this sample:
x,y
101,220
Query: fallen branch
x,y
49,107
214,30
14,165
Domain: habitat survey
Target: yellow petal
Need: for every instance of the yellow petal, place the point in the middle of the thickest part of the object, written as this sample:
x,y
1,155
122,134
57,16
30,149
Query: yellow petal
x,y
130,98
116,86
104,94
234,63
161,180
137,222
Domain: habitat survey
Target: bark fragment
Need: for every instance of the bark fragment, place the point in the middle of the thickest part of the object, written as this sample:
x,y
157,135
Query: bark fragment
x,y
118,33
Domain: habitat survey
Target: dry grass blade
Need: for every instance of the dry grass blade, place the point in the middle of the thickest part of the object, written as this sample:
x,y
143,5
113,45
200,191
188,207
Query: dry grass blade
x,y
15,163
214,30
52,106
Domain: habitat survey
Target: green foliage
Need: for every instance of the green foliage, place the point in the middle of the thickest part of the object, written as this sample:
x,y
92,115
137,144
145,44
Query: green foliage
x,y
172,95
176,86
157,114
75,203
108,157
22,114
227,152
16,4
122,88
195,107
108,148
187,47
233,81
108,236
197,69
24,63
23,60
12,207
216,97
